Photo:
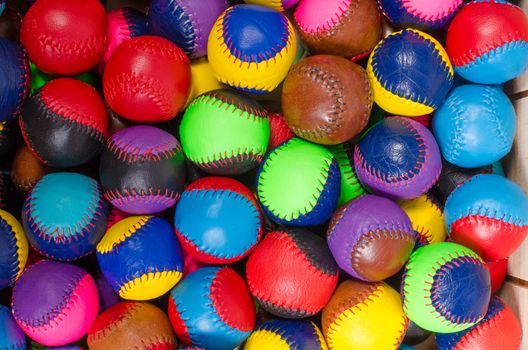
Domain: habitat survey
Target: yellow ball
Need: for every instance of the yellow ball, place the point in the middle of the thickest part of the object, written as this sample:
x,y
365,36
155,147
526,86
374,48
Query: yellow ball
x,y
251,48
427,219
362,315
14,249
278,334
203,79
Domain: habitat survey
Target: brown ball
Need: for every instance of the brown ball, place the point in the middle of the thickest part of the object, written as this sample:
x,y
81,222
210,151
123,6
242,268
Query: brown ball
x,y
326,99
131,325
337,28
26,170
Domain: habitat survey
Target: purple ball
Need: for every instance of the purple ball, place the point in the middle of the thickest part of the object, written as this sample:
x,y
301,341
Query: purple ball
x,y
371,238
142,170
11,336
398,158
187,23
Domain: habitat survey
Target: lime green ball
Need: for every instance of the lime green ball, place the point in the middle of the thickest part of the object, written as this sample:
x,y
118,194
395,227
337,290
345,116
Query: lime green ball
x,y
445,288
224,132
351,188
39,78
299,183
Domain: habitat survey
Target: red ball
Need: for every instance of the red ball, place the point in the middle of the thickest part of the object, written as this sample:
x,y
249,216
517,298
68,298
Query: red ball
x,y
292,273
147,79
498,270
65,37
279,130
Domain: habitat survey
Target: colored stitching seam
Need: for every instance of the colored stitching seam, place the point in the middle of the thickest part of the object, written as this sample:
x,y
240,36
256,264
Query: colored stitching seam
x,y
131,153
232,105
130,195
107,247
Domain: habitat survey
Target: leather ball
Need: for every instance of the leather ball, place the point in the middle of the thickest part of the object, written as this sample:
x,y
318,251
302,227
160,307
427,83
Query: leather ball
x,y
286,334
15,77
498,270
218,220
291,273
326,99
65,123
489,214
76,29
142,170
410,73
371,238
122,24
398,157
335,27
11,336
14,250
487,41
351,187
424,15
147,79
132,325
186,23
27,170
427,218
475,126
279,130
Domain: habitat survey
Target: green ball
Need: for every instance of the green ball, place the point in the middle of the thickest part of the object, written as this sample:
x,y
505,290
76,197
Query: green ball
x,y
224,132
351,188
39,78
299,183
445,288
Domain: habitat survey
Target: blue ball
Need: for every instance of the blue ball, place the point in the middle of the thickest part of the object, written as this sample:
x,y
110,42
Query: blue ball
x,y
475,126
11,336
65,216
14,78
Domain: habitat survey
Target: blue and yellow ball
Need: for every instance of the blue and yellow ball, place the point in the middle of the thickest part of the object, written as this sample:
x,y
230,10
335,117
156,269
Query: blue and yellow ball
x,y
13,249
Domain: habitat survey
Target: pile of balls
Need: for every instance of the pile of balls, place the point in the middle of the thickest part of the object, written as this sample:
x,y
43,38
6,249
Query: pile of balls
x,y
275,174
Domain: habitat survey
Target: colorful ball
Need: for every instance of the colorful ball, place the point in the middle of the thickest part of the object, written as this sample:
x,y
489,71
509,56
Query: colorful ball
x,y
279,130
203,79
122,24
499,329
64,216
475,126
13,250
399,158
370,238
445,288
185,23
351,188
326,99
218,220
425,15
128,160
134,325
55,303
75,29
27,170
286,335
291,273
487,41
65,123
336,27
410,73
224,132
364,315
298,183
140,257
15,77
147,79
251,48
498,270
427,219
489,214
11,336
212,308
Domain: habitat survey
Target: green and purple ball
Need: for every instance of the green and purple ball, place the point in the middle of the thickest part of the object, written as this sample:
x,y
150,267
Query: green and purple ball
x,y
225,133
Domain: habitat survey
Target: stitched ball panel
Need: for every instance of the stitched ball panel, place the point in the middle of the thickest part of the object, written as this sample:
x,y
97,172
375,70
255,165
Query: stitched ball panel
x,y
186,23
351,188
141,258
500,328
487,41
398,157
284,285
129,324
488,213
65,307
13,249
122,24
65,216
286,334
75,28
475,126
371,238
11,336
218,220
14,78
190,305
421,14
